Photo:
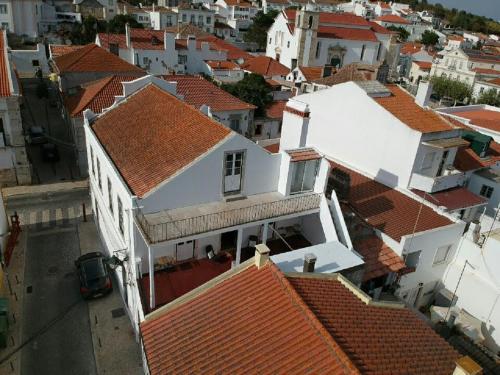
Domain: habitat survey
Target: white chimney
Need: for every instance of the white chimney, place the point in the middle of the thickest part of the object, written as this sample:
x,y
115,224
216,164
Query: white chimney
x,y
424,92
309,262
261,255
127,34
205,109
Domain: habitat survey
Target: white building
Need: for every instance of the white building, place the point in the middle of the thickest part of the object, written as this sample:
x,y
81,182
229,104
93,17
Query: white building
x,y
387,151
21,17
197,15
170,187
415,29
225,71
162,18
238,14
309,38
15,168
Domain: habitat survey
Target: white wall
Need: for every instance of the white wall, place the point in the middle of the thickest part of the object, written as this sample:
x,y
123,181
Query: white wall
x,y
287,53
24,61
345,123
353,51
202,182
475,184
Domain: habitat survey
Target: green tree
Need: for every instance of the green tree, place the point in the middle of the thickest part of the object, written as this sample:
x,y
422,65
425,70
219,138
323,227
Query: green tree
x,y
429,38
117,24
252,89
257,32
456,90
403,33
490,97
85,32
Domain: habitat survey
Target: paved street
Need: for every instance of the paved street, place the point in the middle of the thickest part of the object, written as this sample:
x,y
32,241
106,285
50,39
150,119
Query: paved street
x,y
65,344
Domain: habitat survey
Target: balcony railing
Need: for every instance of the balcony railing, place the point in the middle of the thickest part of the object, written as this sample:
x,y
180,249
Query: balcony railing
x,y
172,229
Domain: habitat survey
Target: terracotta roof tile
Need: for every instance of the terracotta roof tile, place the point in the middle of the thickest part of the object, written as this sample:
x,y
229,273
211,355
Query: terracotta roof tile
x,y
139,38
453,199
392,18
303,154
96,95
351,72
273,148
495,81
402,105
5,86
483,118
379,258
411,48
265,66
57,50
387,209
379,340
197,91
251,322
223,65
487,71
233,53
275,109
93,58
346,33
379,29
311,72
467,160
186,30
331,18
152,135
424,65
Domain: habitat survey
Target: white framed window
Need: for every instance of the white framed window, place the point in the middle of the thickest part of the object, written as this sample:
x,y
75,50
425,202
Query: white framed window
x,y
486,191
442,254
3,9
428,160
110,195
304,176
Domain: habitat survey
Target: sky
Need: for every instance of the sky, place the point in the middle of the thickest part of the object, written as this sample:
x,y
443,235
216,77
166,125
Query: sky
x,y
487,8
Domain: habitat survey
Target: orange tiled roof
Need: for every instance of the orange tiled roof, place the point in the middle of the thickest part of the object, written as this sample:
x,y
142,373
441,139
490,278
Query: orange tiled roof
x,y
139,38
275,109
402,105
379,29
453,199
265,66
455,37
57,50
424,65
96,95
251,322
223,65
379,340
487,71
311,72
303,155
495,81
467,160
392,18
351,72
233,53
346,33
410,48
273,148
197,91
5,88
387,209
152,135
93,58
483,118
379,258
185,30
331,18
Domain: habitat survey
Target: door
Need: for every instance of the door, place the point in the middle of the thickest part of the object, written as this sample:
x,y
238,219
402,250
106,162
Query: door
x,y
442,163
233,172
184,251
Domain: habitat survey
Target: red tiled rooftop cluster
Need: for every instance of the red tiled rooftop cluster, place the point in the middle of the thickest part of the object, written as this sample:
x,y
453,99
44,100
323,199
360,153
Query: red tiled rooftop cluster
x,y
265,66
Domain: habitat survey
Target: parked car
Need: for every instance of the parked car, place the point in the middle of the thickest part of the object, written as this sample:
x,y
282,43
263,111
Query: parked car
x,y
95,280
50,153
36,135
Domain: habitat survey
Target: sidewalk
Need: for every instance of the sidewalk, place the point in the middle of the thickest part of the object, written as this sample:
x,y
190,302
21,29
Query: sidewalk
x,y
115,348
14,275
18,191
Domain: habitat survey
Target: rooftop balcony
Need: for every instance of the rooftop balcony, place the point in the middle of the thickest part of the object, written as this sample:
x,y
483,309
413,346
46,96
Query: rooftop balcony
x,y
190,221
451,178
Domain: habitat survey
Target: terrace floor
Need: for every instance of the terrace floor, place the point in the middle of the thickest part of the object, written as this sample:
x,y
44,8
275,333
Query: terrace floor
x,y
184,277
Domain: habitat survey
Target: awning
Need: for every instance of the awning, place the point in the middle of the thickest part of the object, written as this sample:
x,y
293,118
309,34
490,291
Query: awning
x,y
447,143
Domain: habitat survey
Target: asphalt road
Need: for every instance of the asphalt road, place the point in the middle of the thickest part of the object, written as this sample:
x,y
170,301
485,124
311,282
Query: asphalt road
x,y
55,317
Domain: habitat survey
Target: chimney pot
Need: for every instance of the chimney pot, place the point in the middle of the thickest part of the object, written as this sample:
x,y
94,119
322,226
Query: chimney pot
x,y
261,255
309,262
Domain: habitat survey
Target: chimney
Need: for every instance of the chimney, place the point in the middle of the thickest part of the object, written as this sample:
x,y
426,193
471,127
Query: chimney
x,y
127,34
261,255
423,93
309,262
467,366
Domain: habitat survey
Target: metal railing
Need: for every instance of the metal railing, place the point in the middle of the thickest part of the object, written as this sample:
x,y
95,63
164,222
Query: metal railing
x,y
174,229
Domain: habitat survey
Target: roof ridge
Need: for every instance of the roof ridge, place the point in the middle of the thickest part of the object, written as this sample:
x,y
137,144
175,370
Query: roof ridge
x,y
104,81
315,322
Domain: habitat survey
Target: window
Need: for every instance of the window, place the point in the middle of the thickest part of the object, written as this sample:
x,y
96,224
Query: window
x,y
258,129
3,9
270,40
169,20
191,20
99,181
460,65
379,51
200,20
110,3
412,259
363,52
110,195
5,25
428,160
318,49
481,90
209,20
288,44
35,63
184,18
304,175
442,254
120,215
145,60
486,191
235,125
2,131
92,166
182,59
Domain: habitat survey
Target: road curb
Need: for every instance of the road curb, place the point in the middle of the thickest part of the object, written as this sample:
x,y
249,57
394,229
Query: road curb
x,y
36,190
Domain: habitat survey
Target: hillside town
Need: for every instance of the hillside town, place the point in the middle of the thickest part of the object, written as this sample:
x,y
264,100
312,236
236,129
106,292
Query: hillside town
x,y
248,187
